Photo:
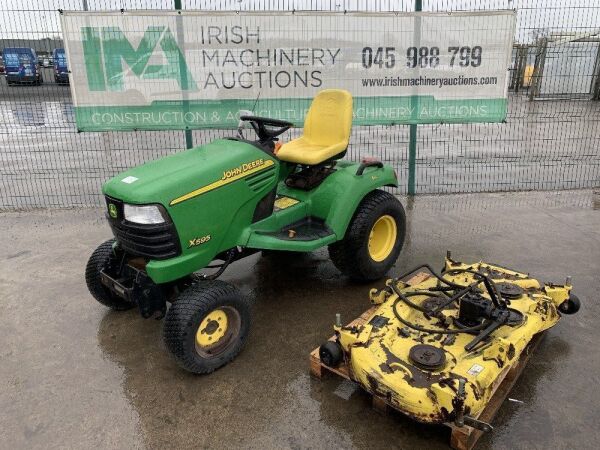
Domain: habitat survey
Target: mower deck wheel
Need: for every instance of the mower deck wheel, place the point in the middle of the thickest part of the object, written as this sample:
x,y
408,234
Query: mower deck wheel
x,y
98,261
207,326
331,354
571,305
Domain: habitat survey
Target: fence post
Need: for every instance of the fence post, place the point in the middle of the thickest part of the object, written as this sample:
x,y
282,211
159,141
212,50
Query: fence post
x,y
189,141
412,140
412,156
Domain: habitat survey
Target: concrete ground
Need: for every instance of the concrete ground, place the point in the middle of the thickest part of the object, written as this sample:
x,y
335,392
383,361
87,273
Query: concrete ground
x,y
76,375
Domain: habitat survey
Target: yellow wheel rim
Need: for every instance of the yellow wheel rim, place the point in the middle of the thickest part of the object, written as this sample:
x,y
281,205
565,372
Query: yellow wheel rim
x,y
382,238
212,328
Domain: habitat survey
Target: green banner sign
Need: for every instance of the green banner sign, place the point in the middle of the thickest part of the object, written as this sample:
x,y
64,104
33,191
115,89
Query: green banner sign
x,y
150,70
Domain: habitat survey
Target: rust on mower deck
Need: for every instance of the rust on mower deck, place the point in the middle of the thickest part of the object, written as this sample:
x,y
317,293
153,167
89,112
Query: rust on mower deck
x,y
437,349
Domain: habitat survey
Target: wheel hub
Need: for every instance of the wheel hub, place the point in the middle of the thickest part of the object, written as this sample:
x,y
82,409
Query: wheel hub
x,y
212,328
382,238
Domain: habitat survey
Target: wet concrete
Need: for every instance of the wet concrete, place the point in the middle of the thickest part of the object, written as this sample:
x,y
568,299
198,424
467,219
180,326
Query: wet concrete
x,y
75,375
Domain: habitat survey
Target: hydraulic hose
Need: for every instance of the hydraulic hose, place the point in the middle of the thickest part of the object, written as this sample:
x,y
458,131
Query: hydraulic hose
x,y
407,301
431,330
430,269
489,285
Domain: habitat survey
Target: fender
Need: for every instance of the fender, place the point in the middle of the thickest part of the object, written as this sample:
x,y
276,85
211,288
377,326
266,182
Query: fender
x,y
338,197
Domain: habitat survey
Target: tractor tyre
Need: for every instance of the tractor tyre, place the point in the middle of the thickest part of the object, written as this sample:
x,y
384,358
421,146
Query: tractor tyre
x,y
373,239
98,261
207,326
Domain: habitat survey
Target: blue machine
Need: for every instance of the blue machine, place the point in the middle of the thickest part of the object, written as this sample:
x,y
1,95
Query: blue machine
x,y
61,69
22,65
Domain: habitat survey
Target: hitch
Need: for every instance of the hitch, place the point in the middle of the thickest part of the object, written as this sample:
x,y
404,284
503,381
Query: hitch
x,y
135,286
116,286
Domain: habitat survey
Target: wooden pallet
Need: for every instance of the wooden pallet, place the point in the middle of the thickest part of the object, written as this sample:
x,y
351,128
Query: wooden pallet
x,y
461,438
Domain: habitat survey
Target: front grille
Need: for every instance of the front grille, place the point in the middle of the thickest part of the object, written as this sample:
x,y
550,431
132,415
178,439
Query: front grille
x,y
152,241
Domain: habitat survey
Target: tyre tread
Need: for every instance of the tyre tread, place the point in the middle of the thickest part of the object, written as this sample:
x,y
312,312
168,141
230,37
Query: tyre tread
x,y
345,253
92,278
201,296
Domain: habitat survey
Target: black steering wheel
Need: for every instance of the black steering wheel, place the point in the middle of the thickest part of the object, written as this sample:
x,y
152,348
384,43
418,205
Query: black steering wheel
x,y
267,129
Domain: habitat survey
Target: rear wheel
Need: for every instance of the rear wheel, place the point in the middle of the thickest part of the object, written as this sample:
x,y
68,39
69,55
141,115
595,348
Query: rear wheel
x,y
100,260
207,326
373,239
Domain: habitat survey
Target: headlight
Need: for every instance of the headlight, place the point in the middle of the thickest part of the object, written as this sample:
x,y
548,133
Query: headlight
x,y
149,214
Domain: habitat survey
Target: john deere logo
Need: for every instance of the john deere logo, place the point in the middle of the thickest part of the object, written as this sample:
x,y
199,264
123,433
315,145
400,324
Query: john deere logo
x,y
112,210
106,48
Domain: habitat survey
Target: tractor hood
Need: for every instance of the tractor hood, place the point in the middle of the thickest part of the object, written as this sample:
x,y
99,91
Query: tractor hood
x,y
173,177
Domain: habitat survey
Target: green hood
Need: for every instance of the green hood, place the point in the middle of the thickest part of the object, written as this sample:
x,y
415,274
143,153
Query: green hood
x,y
166,179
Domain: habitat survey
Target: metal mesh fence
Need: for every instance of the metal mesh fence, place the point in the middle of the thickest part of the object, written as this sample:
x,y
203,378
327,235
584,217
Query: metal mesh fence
x,y
549,141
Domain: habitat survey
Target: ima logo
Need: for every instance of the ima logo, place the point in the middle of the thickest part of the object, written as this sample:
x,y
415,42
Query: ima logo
x,y
105,49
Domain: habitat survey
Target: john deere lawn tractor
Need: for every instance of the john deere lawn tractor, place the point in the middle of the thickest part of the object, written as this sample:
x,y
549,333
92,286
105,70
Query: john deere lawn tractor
x,y
176,219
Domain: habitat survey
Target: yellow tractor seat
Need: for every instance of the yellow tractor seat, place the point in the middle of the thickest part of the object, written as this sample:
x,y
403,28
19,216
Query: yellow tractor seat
x,y
326,130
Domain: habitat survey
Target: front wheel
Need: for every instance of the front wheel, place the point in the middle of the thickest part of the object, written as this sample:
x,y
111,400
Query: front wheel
x,y
207,326
373,239
99,261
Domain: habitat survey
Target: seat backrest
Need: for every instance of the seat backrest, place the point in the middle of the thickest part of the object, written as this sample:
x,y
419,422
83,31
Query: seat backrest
x,y
329,118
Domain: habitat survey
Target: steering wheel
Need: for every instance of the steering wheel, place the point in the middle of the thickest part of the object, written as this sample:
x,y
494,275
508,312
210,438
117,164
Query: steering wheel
x,y
267,129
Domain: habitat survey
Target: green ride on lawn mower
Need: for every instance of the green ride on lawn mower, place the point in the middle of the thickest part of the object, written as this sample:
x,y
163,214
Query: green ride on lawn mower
x,y
214,204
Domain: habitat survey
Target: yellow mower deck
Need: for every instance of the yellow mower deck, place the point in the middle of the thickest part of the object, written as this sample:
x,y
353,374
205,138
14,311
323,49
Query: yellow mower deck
x,y
430,376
